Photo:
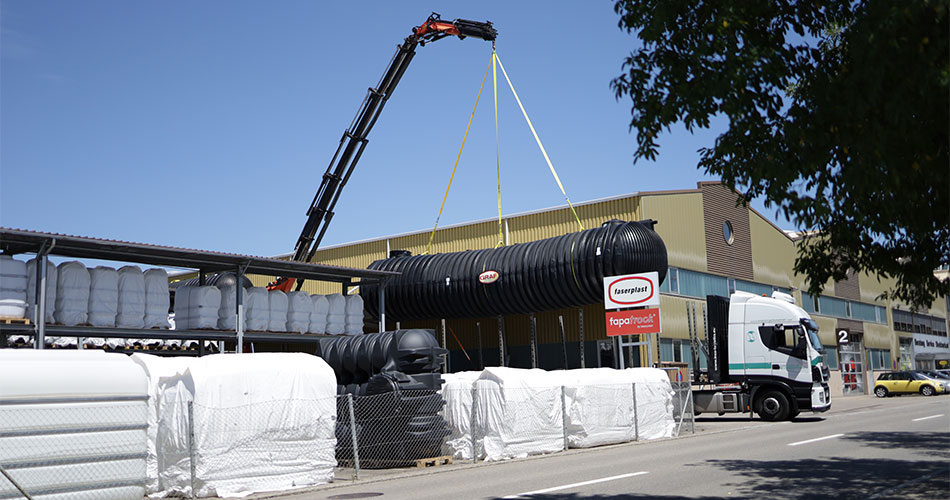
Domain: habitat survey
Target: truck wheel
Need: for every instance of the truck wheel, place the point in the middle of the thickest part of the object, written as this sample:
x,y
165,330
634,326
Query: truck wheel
x,y
880,391
773,406
927,390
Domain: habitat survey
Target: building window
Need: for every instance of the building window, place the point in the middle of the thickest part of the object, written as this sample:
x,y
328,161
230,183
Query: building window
x,y
809,303
880,359
680,351
727,233
732,286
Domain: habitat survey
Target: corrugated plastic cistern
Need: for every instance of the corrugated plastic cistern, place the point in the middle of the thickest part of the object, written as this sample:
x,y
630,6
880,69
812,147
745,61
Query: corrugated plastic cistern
x,y
542,275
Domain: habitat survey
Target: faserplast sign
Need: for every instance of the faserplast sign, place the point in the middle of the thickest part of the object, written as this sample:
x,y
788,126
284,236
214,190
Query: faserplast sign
x,y
632,290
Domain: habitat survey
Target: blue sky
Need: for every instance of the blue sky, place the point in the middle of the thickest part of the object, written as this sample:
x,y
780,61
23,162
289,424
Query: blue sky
x,y
209,124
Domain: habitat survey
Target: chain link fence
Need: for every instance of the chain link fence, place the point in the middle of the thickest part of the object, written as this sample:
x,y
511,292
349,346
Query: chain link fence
x,y
73,448
187,449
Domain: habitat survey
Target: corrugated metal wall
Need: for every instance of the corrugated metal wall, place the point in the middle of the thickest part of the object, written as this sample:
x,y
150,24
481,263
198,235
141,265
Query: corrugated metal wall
x,y
680,224
727,258
772,254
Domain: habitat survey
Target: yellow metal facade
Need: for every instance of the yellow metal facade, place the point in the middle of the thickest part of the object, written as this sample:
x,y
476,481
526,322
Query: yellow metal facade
x,y
681,226
772,254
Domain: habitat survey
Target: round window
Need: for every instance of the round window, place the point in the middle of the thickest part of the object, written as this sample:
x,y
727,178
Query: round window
x,y
727,233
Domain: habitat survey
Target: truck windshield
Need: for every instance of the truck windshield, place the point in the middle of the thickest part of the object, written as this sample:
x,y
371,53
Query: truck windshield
x,y
812,329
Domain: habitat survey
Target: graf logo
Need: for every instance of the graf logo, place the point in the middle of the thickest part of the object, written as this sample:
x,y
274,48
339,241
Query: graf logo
x,y
488,277
631,291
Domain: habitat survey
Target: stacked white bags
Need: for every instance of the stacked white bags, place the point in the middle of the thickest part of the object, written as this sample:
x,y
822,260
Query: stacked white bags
x,y
318,318
353,323
277,301
227,313
131,312
72,294
299,309
336,314
12,287
196,307
457,393
257,309
31,290
156,298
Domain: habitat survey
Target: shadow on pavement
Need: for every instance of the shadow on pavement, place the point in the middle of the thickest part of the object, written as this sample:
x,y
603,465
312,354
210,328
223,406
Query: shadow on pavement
x,y
834,477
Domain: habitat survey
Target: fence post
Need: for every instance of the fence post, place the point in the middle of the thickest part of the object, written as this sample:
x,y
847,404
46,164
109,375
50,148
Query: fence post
x,y
191,445
15,484
580,318
636,418
356,447
471,424
564,415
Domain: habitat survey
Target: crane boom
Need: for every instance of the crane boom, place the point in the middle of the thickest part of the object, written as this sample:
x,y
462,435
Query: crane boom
x,y
354,139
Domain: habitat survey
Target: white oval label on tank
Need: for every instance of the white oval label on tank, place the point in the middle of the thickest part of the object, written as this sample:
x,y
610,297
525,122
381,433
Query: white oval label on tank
x,y
488,277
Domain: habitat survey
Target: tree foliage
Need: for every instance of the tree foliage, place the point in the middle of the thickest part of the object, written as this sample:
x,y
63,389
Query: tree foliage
x,y
838,115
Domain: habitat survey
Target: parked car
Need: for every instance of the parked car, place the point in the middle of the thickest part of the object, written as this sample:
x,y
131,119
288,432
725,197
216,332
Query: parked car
x,y
938,377
907,382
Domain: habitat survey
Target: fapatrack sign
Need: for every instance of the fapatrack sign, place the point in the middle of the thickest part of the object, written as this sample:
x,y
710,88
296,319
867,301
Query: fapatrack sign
x,y
632,290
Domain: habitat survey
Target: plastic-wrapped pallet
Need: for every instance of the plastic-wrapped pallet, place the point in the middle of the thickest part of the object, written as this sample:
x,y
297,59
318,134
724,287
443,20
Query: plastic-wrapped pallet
x,y
353,323
318,318
103,296
227,313
336,314
277,304
280,412
72,293
299,308
31,290
156,298
457,393
257,309
197,307
12,287
157,369
518,412
131,312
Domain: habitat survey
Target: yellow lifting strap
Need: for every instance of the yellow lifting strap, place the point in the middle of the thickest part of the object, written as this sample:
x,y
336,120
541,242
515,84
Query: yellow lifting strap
x,y
494,77
538,140
464,138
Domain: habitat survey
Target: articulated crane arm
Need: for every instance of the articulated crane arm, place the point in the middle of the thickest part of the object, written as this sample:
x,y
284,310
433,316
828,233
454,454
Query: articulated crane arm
x,y
354,139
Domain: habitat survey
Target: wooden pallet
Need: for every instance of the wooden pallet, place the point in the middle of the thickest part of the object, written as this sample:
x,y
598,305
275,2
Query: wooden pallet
x,y
13,320
421,463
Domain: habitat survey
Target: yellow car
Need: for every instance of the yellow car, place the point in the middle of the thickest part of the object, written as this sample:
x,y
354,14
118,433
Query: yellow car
x,y
906,382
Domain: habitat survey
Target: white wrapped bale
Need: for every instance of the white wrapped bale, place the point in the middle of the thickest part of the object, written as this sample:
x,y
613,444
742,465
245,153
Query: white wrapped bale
x,y
12,287
31,290
299,308
157,300
277,316
457,393
103,296
280,409
227,313
318,318
131,312
197,307
336,314
518,412
353,323
72,294
257,309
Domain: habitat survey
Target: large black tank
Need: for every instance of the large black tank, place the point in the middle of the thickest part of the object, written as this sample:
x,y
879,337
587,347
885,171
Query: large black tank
x,y
564,271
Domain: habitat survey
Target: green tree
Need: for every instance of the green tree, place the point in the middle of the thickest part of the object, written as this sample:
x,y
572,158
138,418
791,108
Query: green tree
x,y
838,115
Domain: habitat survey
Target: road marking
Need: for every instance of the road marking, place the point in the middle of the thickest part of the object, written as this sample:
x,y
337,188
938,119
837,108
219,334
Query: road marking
x,y
926,418
575,485
816,439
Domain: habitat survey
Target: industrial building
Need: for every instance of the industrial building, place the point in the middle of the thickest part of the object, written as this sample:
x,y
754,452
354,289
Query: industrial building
x,y
714,247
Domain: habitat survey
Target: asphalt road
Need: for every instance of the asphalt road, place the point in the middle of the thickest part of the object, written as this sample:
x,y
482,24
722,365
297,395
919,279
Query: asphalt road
x,y
870,448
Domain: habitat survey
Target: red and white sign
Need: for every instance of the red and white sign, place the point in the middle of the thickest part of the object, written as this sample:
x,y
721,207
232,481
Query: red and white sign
x,y
632,290
633,322
488,277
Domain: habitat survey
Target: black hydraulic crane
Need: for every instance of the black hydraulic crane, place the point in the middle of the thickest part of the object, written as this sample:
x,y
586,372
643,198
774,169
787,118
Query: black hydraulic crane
x,y
354,139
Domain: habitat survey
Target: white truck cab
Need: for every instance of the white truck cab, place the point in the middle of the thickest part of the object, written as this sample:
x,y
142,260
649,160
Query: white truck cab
x,y
766,352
